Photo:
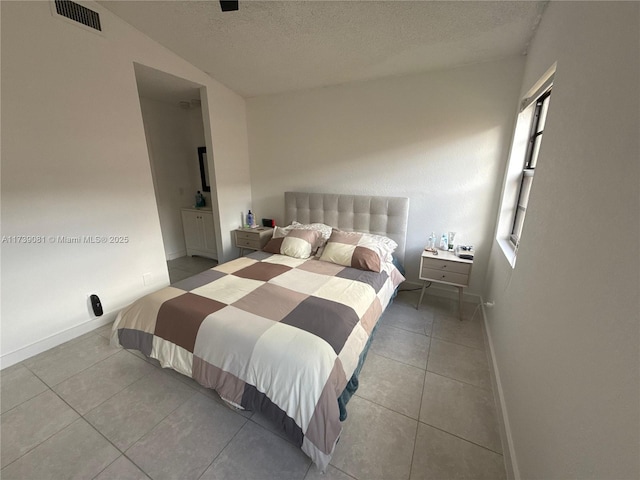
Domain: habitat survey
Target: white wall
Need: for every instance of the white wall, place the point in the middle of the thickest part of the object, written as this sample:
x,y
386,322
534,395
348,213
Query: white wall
x,y
439,138
565,326
172,137
75,162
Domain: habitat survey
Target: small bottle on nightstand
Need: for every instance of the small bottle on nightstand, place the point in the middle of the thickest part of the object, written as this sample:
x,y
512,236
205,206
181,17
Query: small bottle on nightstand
x,y
444,243
432,240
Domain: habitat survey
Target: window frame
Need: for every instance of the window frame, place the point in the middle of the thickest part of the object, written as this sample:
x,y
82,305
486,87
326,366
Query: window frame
x,y
530,162
519,152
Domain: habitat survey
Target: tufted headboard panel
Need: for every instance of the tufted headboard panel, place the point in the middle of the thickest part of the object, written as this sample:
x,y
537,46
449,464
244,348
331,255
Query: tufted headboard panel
x,y
359,213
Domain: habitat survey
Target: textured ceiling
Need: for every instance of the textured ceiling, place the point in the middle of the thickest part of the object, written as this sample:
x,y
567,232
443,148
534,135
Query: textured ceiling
x,y
271,47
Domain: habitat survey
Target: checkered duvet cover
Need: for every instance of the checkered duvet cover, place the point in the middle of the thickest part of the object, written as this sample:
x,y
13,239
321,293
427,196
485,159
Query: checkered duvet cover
x,y
269,333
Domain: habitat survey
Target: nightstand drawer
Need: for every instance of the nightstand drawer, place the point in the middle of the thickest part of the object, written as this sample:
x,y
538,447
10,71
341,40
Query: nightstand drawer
x,y
445,266
240,235
252,238
444,276
252,242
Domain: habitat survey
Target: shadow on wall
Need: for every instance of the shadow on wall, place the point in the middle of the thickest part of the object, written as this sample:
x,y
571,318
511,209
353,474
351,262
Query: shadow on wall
x,y
439,138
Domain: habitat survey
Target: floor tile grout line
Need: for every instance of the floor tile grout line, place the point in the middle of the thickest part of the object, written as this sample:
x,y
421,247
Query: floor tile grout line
x,y
80,417
122,452
80,371
224,448
339,469
461,438
394,360
359,395
432,335
399,361
424,382
311,465
420,410
106,467
306,472
400,328
86,421
485,389
386,407
118,392
446,340
387,324
69,342
156,426
161,420
27,399
105,400
446,431
45,384
489,390
50,436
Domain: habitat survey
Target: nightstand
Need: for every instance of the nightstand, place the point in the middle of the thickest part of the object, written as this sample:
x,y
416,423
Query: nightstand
x,y
447,268
252,238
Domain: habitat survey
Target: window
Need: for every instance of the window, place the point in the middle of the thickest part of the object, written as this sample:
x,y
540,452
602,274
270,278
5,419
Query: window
x,y
521,167
530,161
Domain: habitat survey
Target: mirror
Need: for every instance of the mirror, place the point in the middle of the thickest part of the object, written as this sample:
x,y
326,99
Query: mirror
x,y
204,169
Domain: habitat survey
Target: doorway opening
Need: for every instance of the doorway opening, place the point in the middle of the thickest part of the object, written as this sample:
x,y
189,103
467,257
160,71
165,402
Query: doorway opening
x,y
174,131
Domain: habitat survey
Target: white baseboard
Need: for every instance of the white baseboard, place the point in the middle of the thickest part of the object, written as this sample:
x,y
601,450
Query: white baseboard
x,y
173,256
17,356
510,460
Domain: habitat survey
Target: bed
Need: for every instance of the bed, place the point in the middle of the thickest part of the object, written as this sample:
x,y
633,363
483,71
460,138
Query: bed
x,y
278,332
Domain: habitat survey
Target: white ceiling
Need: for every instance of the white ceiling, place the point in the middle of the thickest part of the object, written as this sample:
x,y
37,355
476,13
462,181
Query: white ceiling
x,y
272,46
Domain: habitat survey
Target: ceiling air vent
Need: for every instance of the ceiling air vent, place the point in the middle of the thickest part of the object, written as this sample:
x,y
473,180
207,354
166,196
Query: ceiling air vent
x,y
78,13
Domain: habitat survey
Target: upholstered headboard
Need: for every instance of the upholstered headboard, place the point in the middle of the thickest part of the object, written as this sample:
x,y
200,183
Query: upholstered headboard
x,y
360,213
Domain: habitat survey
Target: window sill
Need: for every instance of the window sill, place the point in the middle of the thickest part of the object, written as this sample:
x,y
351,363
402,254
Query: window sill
x,y
509,251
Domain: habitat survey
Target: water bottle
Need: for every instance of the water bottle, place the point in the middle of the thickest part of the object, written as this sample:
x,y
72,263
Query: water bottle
x,y
444,243
432,240
250,219
199,199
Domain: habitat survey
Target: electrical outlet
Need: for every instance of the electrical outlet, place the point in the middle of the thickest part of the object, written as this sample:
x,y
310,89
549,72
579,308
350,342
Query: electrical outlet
x,y
147,278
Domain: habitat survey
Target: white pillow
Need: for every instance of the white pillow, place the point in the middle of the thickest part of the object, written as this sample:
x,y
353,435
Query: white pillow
x,y
279,232
387,245
325,231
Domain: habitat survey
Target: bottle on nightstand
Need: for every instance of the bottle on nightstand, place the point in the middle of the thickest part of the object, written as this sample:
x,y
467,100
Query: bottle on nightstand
x,y
444,243
432,240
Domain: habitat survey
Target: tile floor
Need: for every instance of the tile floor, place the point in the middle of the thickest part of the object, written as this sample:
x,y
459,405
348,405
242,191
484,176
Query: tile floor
x,y
424,410
185,267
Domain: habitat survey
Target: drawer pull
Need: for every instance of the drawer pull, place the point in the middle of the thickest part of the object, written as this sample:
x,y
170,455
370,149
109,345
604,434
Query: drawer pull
x,y
446,265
